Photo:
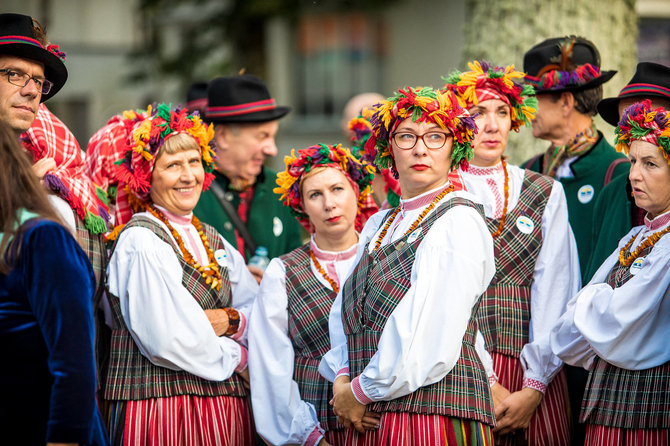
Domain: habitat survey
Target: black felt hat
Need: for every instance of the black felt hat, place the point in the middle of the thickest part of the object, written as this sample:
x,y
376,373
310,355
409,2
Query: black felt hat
x,y
560,64
18,39
651,80
241,98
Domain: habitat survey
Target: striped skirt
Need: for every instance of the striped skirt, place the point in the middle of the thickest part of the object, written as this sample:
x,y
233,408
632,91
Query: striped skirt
x,y
409,429
597,435
550,426
337,437
182,420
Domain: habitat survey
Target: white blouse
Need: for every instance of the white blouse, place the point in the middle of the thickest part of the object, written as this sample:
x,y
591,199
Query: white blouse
x,y
281,416
422,338
556,276
626,326
165,321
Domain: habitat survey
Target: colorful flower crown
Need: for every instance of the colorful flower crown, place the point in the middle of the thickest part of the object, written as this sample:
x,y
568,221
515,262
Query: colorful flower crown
x,y
483,75
134,169
422,104
359,173
640,122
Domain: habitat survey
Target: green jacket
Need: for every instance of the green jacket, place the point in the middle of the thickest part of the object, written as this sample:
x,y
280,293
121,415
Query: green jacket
x,y
270,223
612,219
582,191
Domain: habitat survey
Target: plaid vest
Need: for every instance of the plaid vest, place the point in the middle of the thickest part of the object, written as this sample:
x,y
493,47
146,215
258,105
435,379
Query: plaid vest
x,y
94,247
504,313
131,376
371,293
629,399
309,305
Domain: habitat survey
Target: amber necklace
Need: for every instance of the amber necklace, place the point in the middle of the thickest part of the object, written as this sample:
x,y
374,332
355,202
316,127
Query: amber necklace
x,y
501,225
651,241
423,214
323,273
211,273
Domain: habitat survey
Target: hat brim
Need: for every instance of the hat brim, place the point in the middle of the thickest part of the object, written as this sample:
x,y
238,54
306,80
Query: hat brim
x,y
54,68
261,116
604,77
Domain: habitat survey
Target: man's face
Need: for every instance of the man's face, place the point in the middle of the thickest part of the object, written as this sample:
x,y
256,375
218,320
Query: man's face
x,y
18,105
549,120
241,149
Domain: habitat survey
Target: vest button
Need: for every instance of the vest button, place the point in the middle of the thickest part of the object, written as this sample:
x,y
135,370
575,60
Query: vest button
x,y
228,196
228,226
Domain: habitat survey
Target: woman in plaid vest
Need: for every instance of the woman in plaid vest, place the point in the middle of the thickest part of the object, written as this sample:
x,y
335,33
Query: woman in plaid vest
x,y
537,268
329,192
402,329
617,326
177,368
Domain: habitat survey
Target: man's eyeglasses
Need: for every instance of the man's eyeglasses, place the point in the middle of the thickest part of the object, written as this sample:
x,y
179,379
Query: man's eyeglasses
x,y
432,140
21,80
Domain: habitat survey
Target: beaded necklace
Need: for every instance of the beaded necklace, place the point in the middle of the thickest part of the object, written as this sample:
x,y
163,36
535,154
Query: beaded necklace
x,y
211,273
504,214
651,241
416,223
323,273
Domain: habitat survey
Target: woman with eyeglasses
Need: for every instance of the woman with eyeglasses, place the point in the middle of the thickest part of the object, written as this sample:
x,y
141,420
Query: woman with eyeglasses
x,y
402,328
537,269
617,326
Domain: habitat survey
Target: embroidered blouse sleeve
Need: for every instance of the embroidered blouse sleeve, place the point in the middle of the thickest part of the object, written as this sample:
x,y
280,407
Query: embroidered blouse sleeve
x,y
282,417
165,321
422,338
557,279
628,326
566,340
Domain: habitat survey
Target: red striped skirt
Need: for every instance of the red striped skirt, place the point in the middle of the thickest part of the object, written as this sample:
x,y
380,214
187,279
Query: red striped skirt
x,y
550,426
336,437
597,435
410,429
182,420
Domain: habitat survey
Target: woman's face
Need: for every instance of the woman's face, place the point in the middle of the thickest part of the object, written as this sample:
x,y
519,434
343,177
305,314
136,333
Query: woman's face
x,y
493,123
421,169
176,181
650,178
330,202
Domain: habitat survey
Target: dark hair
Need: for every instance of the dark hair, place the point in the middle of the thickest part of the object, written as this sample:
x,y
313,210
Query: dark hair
x,y
19,190
585,100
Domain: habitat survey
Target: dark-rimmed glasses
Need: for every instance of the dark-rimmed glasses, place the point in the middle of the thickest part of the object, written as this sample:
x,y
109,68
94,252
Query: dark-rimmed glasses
x,y
21,80
432,140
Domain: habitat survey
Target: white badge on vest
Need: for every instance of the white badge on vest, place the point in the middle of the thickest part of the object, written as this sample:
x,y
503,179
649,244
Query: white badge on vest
x,y
585,193
414,235
636,266
277,226
221,258
525,224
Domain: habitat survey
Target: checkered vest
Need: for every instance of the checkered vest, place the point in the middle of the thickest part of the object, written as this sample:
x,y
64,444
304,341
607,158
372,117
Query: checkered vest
x,y
504,312
309,305
375,287
131,376
94,247
629,399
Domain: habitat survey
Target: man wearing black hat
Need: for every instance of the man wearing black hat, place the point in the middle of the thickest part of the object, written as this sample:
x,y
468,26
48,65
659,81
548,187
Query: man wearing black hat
x,y
615,212
240,204
566,74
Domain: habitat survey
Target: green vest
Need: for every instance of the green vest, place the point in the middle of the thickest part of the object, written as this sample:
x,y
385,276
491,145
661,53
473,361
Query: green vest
x,y
270,223
582,191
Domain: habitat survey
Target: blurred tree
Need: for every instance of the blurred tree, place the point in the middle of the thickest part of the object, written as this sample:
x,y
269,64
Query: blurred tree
x,y
501,31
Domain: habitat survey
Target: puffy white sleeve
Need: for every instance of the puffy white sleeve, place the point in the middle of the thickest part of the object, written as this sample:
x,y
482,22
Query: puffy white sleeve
x,y
421,341
165,321
557,278
336,361
281,416
628,326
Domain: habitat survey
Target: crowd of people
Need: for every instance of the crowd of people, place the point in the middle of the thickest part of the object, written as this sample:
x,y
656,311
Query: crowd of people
x,y
421,289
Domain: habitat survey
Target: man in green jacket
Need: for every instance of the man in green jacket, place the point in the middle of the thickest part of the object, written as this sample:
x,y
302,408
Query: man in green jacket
x,y
565,72
245,119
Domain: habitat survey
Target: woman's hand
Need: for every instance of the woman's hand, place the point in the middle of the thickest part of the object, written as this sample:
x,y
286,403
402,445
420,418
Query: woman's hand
x,y
347,408
244,374
219,321
517,410
256,272
323,442
499,394
43,166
